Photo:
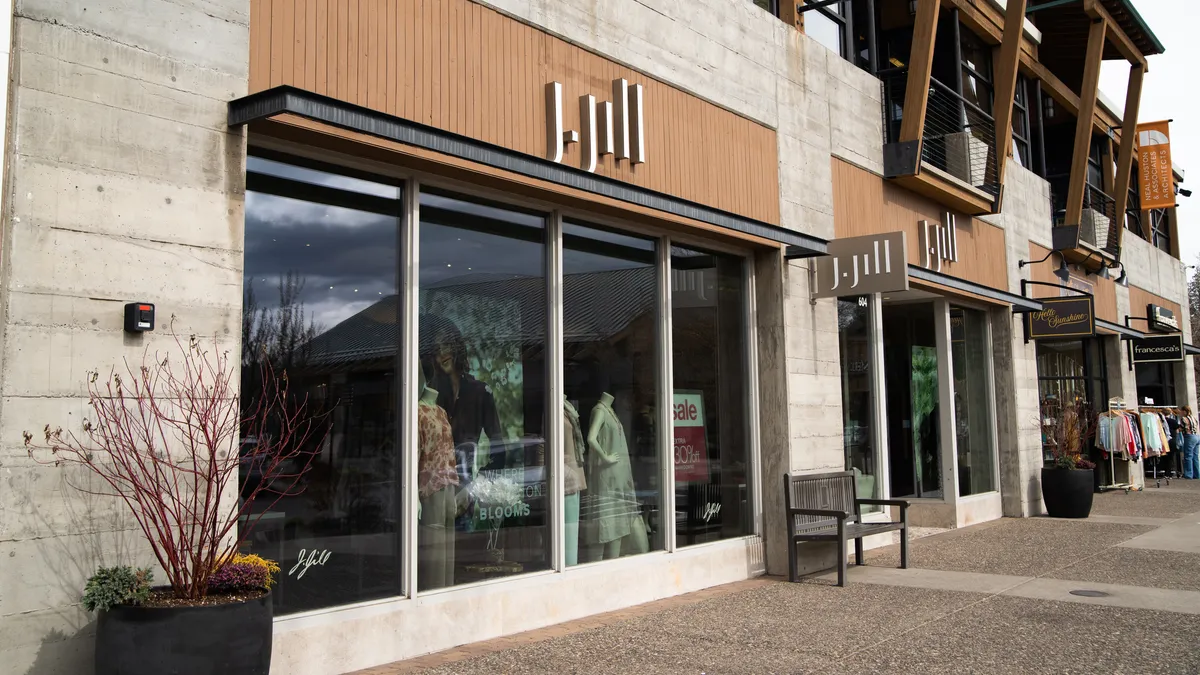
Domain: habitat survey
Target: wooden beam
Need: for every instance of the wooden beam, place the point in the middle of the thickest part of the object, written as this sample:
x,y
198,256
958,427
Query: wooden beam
x,y
1063,94
1006,80
1083,123
789,13
1120,40
1133,95
920,69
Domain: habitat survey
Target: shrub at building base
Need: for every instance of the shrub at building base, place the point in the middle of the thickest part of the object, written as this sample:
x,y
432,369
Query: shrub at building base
x,y
164,438
1068,481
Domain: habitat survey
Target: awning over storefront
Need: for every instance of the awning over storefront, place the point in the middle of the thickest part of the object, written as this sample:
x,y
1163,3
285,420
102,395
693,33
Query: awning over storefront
x,y
288,100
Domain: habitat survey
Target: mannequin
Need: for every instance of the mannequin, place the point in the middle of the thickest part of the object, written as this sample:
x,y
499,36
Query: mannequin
x,y
573,477
437,482
619,527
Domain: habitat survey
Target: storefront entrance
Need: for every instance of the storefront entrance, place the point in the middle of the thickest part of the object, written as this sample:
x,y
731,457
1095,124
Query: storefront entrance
x,y
911,373
918,397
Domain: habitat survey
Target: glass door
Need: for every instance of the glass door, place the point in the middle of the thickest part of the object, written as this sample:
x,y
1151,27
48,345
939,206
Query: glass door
x,y
911,369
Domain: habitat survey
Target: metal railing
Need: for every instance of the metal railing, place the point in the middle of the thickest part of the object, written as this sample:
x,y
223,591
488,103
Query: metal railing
x,y
959,137
1098,224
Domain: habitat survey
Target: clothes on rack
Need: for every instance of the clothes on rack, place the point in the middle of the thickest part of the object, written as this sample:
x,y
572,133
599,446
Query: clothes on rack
x,y
1154,431
1118,432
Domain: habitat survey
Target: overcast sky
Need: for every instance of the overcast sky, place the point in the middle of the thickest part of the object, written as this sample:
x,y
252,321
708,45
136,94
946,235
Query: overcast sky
x,y
1169,91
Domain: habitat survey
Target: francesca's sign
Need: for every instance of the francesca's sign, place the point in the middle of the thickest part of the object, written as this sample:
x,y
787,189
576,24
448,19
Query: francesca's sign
x,y
609,128
1073,316
861,265
691,450
1154,163
1158,348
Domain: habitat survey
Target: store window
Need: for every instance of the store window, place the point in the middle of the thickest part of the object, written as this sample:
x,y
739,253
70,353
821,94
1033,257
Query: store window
x,y
482,407
971,356
611,454
1155,383
858,403
914,422
1069,372
321,305
709,343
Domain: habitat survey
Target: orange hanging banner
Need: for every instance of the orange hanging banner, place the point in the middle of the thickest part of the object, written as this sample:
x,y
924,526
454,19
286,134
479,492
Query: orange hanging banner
x,y
1154,164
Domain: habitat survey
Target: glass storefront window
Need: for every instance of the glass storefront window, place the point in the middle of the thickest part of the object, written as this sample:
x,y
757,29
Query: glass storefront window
x,y
911,372
712,461
858,417
322,276
1070,371
1155,383
482,408
970,355
321,304
612,461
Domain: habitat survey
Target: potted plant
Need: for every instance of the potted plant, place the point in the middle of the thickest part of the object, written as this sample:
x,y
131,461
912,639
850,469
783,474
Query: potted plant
x,y
1068,481
165,438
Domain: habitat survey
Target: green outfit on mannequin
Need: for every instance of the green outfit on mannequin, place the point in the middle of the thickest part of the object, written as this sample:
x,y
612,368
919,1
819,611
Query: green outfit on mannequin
x,y
618,521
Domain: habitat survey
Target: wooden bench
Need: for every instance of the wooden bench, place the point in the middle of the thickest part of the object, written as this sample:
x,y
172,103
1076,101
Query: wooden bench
x,y
826,507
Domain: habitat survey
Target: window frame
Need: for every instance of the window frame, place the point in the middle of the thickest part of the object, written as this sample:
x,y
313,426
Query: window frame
x,y
411,182
1022,142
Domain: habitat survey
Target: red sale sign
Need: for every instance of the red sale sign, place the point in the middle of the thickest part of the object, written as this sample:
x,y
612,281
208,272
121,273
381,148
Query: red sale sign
x,y
691,451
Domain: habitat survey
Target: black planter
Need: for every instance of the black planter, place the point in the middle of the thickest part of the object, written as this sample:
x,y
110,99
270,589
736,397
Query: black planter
x,y
1068,492
231,639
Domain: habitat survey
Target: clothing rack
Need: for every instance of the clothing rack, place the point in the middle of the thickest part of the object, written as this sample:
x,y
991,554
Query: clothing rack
x,y
1116,405
1167,474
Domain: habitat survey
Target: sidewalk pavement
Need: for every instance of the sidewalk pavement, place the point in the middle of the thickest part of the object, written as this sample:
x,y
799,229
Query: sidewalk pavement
x,y
1002,597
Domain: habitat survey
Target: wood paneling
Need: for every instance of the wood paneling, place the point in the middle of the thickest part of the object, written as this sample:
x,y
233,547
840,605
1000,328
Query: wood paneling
x,y
864,203
290,133
1139,298
469,70
1104,290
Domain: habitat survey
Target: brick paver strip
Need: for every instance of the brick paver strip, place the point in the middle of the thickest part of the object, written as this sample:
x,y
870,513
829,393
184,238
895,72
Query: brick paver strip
x,y
477,649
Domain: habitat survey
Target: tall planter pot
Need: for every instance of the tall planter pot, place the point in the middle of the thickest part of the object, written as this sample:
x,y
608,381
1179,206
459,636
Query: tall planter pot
x,y
230,639
1067,493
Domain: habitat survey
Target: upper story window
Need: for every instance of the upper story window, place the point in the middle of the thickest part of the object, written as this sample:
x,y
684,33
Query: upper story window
x,y
976,64
770,5
1095,172
1160,229
1021,130
1133,206
831,26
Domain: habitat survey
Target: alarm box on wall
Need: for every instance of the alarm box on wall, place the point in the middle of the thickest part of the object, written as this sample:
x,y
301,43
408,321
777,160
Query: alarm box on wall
x,y
139,317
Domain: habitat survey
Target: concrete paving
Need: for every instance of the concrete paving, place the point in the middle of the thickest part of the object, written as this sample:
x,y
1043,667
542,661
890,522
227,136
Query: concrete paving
x,y
995,598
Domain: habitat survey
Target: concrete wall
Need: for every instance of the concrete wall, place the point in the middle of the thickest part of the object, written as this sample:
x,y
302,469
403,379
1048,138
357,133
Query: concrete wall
x,y
351,638
1025,217
125,185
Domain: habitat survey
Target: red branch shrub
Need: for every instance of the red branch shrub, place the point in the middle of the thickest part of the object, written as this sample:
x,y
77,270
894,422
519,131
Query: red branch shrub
x,y
166,438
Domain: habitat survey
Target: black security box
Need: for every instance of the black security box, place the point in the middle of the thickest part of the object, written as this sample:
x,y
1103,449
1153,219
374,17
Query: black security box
x,y
139,317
